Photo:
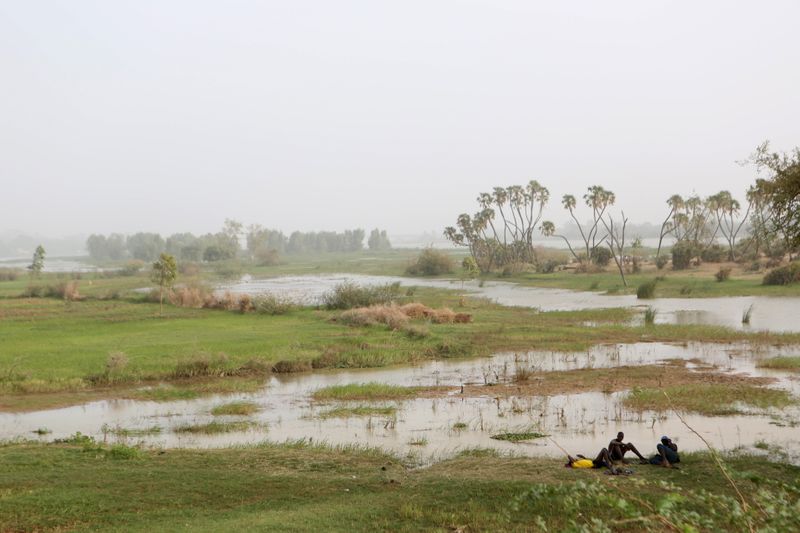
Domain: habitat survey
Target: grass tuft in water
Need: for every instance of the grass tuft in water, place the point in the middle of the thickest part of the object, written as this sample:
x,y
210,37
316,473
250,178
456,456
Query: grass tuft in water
x,y
519,437
213,428
365,391
650,316
350,412
746,314
235,408
780,363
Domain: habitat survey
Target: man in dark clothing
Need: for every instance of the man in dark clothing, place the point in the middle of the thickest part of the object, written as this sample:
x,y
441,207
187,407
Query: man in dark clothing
x,y
617,449
667,453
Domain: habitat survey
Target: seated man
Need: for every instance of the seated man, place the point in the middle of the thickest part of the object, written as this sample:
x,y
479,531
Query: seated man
x,y
667,453
603,460
617,449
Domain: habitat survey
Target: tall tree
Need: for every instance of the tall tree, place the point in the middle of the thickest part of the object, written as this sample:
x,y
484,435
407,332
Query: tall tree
x,y
592,235
37,265
164,272
780,188
726,211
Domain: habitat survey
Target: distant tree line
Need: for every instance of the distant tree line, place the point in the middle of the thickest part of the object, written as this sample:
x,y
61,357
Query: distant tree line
x,y
262,245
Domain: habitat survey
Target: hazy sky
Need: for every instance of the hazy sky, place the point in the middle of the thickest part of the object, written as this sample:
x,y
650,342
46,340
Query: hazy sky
x,y
173,115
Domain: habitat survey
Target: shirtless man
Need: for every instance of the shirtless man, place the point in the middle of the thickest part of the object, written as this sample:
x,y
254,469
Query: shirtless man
x,y
617,449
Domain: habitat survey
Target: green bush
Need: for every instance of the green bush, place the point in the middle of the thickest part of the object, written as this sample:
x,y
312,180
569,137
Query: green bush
x,y
131,268
348,295
646,290
682,254
723,274
431,262
783,275
601,256
548,266
714,254
661,261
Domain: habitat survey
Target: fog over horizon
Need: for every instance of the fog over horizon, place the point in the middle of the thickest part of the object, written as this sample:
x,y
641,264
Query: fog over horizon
x,y
310,115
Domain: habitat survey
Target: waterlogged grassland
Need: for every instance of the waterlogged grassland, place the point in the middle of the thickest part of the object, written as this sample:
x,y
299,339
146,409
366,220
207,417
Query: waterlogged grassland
x,y
713,399
235,409
297,487
215,428
691,283
781,363
358,411
365,391
56,352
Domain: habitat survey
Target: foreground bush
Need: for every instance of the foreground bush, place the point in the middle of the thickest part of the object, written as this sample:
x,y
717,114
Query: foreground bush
x,y
723,274
646,290
348,295
783,275
431,262
682,254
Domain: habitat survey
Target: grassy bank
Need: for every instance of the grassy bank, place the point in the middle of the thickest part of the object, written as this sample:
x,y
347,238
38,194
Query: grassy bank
x,y
698,282
297,487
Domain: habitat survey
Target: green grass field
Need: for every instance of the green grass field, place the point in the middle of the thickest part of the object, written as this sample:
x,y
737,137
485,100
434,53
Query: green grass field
x,y
297,487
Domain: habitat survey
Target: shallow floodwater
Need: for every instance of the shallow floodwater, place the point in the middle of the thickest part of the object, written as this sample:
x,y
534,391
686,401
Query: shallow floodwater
x,y
53,265
780,314
424,428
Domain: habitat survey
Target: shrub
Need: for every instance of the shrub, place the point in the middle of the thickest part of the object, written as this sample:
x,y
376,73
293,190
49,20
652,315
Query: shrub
x,y
69,291
267,257
646,290
723,274
413,331
348,295
661,261
755,266
131,268
271,304
772,263
601,256
682,254
188,268
190,296
327,359
290,367
8,274
783,275
777,250
245,303
202,366
714,254
635,265
392,316
431,262
548,266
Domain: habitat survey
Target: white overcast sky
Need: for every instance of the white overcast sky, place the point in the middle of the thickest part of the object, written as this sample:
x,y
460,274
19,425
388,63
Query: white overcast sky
x,y
173,115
